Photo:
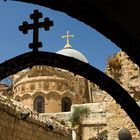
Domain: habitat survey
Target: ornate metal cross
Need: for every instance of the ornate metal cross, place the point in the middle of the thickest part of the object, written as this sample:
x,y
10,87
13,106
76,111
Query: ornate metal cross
x,y
35,27
67,36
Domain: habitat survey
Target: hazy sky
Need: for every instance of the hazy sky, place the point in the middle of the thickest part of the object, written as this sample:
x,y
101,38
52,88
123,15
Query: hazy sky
x,y
88,41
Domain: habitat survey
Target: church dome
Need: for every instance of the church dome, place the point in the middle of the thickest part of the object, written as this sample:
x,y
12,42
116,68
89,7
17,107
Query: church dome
x,y
73,53
70,52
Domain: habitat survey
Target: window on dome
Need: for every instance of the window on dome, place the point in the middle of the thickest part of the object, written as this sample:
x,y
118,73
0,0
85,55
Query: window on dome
x,y
39,104
32,86
39,85
23,88
18,89
66,104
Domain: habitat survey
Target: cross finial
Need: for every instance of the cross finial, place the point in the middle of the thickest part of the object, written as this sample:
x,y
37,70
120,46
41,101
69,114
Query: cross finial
x,y
35,27
67,36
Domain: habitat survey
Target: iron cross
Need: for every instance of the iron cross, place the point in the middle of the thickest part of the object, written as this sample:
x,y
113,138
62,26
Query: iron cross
x,y
35,27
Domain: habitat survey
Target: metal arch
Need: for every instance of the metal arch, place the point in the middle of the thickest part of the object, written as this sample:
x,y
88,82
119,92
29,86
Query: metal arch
x,y
87,12
78,67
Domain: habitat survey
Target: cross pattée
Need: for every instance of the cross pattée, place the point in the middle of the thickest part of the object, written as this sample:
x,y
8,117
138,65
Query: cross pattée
x,y
35,27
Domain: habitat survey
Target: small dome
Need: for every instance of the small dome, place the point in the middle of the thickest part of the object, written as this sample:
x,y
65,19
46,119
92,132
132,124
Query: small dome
x,y
73,53
68,51
124,134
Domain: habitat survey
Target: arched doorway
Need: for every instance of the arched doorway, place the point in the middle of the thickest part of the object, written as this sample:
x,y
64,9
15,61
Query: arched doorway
x,y
66,104
39,103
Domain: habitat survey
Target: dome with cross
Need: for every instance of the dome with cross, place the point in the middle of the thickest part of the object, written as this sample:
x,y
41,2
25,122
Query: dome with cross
x,y
70,52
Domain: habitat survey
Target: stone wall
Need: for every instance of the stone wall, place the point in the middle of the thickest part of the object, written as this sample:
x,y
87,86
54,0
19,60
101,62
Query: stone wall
x,y
93,123
60,116
14,127
118,119
127,74
90,125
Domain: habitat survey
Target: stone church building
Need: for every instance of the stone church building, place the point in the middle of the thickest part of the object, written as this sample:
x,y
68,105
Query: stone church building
x,y
49,89
52,91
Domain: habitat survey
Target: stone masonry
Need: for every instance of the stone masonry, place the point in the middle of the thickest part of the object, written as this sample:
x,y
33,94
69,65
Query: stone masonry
x,y
127,74
12,127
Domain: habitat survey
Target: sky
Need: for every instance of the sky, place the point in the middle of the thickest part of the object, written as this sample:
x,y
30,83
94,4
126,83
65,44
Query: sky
x,y
96,47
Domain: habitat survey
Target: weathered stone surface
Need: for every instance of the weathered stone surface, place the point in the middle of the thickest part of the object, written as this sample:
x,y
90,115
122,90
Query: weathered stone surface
x,y
13,127
130,80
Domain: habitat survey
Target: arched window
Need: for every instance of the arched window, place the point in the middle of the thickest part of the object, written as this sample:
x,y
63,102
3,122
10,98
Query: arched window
x,y
66,104
39,103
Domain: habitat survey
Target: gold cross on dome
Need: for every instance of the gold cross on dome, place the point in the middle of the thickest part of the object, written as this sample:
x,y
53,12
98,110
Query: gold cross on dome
x,y
67,36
